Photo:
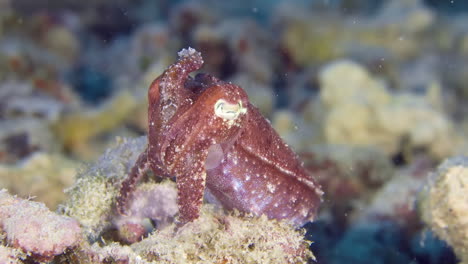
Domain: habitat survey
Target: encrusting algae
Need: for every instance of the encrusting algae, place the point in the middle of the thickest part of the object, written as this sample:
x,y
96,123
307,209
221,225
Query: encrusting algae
x,y
219,238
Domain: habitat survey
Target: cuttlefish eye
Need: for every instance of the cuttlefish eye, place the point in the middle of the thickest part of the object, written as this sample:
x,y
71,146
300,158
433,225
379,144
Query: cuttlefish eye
x,y
227,110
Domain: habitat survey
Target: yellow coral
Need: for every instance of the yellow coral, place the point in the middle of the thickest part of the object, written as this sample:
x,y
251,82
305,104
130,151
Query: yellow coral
x,y
77,128
360,111
445,205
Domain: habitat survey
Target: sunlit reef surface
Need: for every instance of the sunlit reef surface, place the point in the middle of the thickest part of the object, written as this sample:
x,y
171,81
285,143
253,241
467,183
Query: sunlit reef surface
x,y
370,94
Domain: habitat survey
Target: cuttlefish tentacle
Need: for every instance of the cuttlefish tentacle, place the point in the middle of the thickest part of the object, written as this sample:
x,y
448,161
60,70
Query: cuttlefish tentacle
x,y
141,166
173,93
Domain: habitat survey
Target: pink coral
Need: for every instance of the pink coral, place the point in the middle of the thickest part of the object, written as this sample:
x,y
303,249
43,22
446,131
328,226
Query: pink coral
x,y
33,228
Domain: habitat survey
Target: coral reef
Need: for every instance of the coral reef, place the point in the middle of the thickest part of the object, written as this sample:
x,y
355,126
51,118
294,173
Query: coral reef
x,y
370,94
444,205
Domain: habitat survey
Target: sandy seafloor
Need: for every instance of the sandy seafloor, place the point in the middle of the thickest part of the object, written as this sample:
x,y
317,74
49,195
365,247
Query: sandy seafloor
x,y
370,94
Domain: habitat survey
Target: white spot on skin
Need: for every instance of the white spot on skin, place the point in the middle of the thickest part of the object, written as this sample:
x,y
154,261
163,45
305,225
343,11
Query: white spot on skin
x,y
237,185
271,187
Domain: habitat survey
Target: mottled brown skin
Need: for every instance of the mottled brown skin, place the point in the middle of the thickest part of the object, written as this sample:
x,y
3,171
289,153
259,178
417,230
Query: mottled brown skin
x,y
206,133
